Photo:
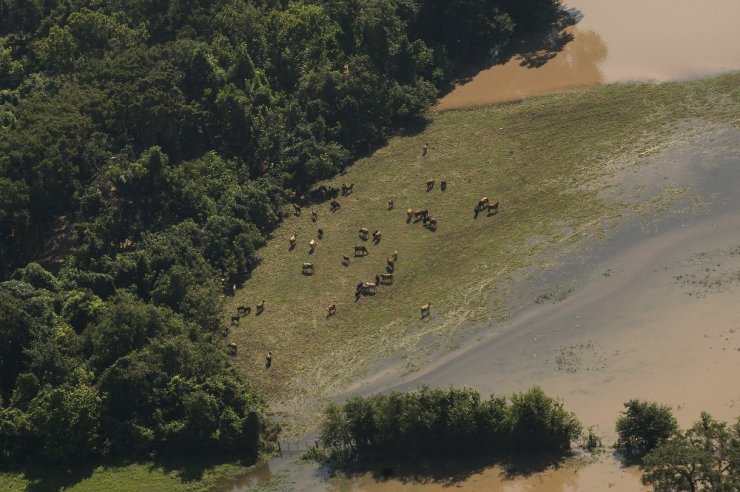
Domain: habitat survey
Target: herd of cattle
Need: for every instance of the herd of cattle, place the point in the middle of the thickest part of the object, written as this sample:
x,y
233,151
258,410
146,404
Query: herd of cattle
x,y
363,288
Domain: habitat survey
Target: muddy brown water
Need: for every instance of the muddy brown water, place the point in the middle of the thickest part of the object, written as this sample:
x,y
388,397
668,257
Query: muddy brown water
x,y
628,40
648,312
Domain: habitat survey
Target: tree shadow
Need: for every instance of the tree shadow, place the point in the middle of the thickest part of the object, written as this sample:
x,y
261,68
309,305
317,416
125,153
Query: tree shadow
x,y
534,49
447,472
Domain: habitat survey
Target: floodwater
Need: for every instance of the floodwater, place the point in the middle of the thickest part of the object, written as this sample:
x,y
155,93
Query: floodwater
x,y
649,312
613,41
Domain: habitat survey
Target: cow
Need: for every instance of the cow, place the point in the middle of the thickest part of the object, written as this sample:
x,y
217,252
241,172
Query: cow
x,y
235,320
364,233
312,245
430,184
314,215
390,204
376,236
345,260
331,310
384,278
493,208
361,250
424,149
426,309
261,307
443,185
334,205
233,348
409,215
297,209
242,310
320,233
292,241
308,269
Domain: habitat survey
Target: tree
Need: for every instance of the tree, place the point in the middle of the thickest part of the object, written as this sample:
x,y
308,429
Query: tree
x,y
703,458
642,426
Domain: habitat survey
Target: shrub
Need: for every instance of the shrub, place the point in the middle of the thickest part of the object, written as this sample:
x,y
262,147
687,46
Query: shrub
x,y
434,422
642,426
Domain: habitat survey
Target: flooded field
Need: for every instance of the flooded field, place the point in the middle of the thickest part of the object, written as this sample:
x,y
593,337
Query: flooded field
x,y
629,40
648,312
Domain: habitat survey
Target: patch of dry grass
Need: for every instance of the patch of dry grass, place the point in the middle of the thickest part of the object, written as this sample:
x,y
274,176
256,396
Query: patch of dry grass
x,y
546,160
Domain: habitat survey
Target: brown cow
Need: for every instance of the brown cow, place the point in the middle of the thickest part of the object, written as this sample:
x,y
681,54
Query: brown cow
x,y
493,208
331,310
426,309
430,184
409,215
385,278
261,307
364,232
345,260
362,250
292,241
233,348
308,269
377,235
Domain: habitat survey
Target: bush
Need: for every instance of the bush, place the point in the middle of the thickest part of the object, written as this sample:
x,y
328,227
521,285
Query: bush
x,y
540,422
642,426
432,423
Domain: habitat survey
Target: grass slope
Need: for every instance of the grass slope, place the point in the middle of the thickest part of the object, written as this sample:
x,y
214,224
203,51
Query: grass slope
x,y
544,159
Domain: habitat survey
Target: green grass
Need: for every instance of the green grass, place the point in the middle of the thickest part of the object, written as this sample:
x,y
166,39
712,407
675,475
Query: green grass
x,y
178,476
546,160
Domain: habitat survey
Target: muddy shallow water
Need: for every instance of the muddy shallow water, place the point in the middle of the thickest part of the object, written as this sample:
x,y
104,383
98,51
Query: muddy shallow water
x,y
614,41
648,312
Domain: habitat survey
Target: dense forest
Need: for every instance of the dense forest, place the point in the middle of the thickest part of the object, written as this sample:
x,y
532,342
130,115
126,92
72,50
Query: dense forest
x,y
146,151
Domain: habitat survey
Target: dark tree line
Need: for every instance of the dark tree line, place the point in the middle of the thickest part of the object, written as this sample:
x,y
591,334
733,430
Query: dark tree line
x,y
435,423
164,138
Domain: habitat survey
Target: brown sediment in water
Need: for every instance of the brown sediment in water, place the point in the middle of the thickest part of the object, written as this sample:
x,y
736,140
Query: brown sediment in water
x,y
628,40
601,475
655,318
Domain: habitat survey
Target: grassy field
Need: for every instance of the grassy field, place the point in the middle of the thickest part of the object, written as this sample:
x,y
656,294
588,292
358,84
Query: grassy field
x,y
547,161
177,476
